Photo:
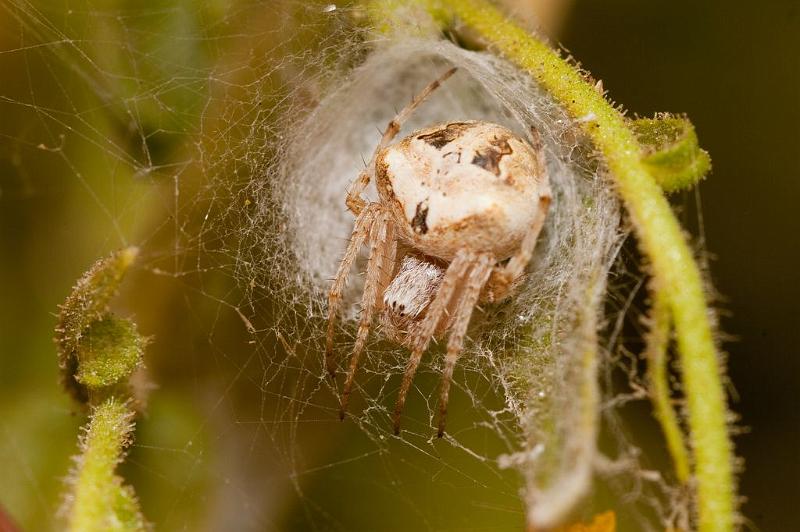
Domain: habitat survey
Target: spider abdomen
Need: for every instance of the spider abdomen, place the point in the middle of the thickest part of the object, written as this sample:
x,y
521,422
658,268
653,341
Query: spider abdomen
x,y
472,185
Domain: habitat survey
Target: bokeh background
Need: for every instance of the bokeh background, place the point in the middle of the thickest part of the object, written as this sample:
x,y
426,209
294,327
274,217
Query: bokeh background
x,y
88,97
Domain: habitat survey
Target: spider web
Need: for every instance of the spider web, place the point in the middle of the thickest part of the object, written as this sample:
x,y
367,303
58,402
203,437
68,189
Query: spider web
x,y
220,138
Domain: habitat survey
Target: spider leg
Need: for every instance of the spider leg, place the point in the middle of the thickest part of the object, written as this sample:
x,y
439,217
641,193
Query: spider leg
x,y
389,263
436,312
400,118
361,230
354,201
381,261
505,276
455,343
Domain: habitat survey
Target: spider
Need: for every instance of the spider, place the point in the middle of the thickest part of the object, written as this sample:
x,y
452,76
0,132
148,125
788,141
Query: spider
x,y
461,205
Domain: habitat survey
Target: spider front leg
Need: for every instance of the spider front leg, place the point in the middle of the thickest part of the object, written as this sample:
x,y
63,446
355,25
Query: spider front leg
x,y
504,277
380,265
355,202
361,231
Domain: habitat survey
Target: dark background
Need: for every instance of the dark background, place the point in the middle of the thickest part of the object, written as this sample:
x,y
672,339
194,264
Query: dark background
x,y
734,68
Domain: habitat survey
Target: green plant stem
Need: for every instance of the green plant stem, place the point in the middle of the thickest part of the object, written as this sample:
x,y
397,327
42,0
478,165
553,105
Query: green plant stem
x,y
675,273
98,354
101,502
657,375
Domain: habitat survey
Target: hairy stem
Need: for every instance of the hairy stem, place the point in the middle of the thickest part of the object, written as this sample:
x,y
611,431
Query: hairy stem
x,y
657,375
98,354
100,500
675,272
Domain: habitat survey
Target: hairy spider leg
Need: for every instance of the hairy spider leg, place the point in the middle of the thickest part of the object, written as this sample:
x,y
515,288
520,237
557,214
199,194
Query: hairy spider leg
x,y
354,201
436,312
361,230
382,247
516,266
458,330
389,264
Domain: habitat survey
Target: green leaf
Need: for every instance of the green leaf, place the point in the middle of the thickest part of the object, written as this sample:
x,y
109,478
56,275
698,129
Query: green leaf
x,y
672,153
109,351
88,302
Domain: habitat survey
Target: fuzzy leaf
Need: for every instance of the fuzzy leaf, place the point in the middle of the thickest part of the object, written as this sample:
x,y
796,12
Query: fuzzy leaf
x,y
672,152
108,352
87,302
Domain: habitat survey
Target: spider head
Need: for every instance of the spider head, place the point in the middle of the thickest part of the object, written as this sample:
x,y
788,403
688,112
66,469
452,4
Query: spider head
x,y
407,297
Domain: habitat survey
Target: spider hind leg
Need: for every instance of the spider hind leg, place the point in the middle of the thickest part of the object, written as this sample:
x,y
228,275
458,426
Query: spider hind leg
x,y
453,279
478,277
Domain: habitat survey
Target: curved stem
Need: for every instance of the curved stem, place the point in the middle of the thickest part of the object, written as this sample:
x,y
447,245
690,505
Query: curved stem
x,y
675,273
657,376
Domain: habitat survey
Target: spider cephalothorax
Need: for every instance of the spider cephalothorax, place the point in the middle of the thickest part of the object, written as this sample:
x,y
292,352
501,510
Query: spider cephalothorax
x,y
460,208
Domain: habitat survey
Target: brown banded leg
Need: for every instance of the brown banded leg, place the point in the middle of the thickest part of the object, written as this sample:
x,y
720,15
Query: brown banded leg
x,y
389,260
516,266
436,312
400,118
361,231
382,248
458,330
354,200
